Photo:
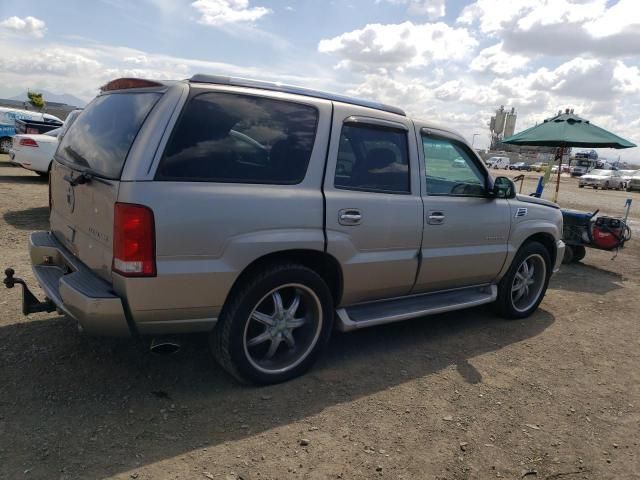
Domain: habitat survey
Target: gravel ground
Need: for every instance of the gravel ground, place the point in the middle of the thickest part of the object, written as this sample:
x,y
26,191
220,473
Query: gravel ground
x,y
457,396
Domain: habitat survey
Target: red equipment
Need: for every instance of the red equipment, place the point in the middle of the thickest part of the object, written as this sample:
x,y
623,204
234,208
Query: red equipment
x,y
608,233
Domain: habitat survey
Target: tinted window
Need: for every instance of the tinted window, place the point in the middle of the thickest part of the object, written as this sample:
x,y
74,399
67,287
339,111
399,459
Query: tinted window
x,y
223,137
372,158
450,169
102,136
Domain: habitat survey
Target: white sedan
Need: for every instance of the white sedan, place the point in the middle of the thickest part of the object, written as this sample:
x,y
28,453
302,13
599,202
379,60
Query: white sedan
x,y
604,179
35,152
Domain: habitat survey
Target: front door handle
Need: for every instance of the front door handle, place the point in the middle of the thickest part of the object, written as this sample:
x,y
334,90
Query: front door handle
x,y
435,218
349,216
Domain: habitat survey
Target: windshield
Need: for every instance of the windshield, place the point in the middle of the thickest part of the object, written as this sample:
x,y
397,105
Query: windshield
x,y
101,137
583,163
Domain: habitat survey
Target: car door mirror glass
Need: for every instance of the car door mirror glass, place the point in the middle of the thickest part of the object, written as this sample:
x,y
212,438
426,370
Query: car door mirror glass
x,y
503,187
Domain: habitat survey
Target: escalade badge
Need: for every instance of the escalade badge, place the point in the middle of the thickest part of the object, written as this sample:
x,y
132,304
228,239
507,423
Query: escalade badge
x,y
71,199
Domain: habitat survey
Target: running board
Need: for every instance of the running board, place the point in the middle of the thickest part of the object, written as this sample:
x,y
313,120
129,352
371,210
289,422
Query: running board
x,y
398,309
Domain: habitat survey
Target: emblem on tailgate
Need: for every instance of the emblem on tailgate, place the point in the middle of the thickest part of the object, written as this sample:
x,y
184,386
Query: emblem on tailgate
x,y
71,198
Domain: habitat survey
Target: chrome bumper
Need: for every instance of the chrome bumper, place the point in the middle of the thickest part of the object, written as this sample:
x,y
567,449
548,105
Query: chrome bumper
x,y
560,246
75,289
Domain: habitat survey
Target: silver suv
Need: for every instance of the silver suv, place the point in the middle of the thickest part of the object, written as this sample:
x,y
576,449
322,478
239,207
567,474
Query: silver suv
x,y
266,215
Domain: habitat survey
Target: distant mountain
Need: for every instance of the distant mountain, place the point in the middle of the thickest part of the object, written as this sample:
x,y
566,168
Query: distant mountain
x,y
54,97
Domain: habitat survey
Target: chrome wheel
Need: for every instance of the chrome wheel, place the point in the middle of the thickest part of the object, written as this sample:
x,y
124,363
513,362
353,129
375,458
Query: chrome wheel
x,y
283,328
528,282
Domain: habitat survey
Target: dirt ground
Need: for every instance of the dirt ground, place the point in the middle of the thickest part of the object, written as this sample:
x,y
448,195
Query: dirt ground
x,y
464,395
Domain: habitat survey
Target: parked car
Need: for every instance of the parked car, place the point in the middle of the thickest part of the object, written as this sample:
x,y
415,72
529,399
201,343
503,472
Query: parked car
x,y
227,206
539,166
634,182
520,166
8,117
627,175
35,152
604,179
499,162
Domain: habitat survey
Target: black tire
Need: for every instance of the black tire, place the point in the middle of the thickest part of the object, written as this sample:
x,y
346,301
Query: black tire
x,y
568,254
229,341
5,144
579,253
505,304
580,186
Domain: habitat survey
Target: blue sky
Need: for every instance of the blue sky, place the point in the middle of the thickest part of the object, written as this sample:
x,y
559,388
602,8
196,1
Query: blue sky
x,y
452,61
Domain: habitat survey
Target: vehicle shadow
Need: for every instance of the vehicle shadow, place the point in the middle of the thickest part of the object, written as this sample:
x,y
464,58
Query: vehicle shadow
x,y
24,179
36,218
580,277
93,408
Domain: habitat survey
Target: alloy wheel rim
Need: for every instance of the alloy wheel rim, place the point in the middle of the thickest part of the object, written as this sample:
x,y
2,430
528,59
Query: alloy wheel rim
x,y
528,282
283,328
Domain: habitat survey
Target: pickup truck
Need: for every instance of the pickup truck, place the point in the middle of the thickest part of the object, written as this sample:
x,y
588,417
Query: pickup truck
x,y
265,216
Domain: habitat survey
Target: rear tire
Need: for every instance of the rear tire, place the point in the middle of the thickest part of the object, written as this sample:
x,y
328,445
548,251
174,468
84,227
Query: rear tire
x,y
568,254
264,335
5,144
523,287
579,253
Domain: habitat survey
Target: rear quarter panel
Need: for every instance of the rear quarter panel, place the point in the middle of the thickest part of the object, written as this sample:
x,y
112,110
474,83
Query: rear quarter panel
x,y
207,233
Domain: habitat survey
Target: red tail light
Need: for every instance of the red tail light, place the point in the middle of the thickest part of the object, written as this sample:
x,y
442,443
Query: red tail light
x,y
28,142
134,241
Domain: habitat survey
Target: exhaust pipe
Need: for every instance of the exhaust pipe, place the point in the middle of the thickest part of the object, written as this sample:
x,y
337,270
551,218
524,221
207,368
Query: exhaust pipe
x,y
165,345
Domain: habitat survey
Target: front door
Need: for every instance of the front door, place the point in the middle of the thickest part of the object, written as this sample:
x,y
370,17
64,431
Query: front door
x,y
466,231
373,205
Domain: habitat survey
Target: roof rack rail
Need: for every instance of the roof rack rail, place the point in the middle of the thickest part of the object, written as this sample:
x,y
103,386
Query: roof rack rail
x,y
278,87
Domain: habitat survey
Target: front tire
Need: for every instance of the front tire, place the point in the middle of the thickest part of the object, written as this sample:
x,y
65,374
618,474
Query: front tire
x,y
274,325
523,287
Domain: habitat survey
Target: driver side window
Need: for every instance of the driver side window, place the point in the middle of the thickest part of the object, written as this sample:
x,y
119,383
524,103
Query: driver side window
x,y
450,170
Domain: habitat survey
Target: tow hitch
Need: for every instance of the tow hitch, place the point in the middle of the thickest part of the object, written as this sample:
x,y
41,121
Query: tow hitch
x,y
30,304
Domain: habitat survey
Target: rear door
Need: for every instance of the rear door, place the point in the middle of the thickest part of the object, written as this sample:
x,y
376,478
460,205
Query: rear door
x,y
373,205
465,231
86,174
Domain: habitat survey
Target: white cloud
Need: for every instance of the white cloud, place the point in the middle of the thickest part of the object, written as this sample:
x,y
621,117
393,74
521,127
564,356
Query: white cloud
x,y
29,26
433,9
397,46
223,12
496,60
559,27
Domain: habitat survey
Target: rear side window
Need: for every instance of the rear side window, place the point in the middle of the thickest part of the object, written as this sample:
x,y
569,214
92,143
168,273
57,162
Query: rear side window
x,y
374,159
225,137
102,135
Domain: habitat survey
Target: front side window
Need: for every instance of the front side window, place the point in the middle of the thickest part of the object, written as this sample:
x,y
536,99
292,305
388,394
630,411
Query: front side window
x,y
373,159
450,169
231,138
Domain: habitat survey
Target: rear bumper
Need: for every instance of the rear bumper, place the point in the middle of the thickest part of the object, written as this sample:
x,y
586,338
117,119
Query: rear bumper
x,y
75,289
560,247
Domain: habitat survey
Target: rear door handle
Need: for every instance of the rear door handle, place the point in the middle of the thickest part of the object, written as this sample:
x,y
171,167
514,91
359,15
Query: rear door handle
x,y
435,218
349,216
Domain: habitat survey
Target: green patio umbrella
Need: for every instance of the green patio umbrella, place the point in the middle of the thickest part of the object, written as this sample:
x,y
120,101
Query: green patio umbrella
x,y
567,130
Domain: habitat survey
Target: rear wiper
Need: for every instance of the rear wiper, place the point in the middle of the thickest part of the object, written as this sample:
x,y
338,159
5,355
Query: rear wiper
x,y
84,177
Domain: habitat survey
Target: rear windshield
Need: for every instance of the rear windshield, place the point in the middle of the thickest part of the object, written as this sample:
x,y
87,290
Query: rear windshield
x,y
102,136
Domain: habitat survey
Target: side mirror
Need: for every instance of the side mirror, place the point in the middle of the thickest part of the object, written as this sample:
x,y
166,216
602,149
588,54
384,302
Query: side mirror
x,y
503,187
